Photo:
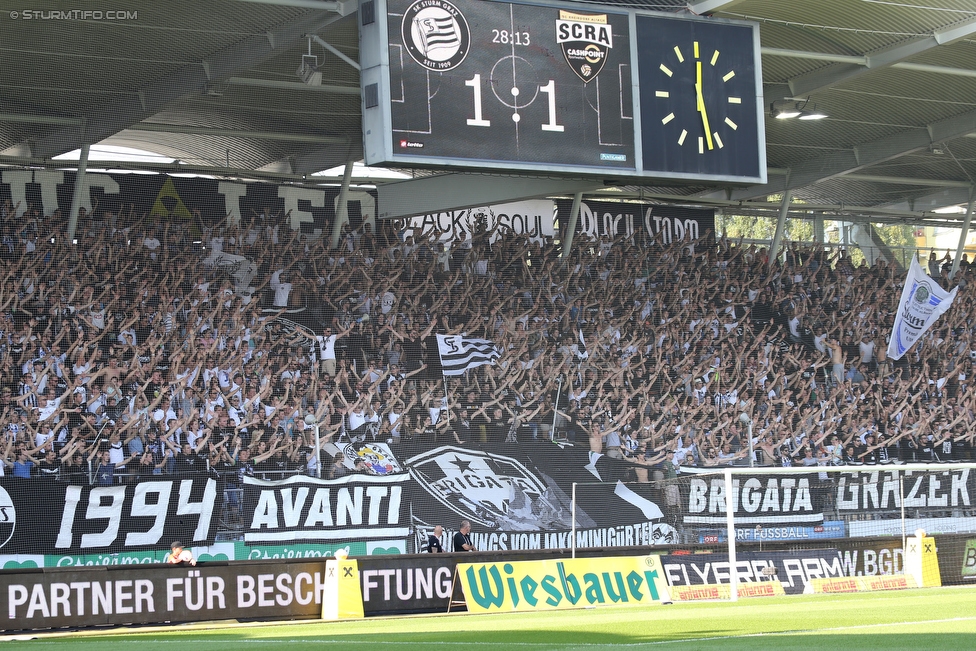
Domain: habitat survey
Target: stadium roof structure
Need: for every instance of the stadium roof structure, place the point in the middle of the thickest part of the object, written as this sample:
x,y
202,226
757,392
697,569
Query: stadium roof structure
x,y
213,85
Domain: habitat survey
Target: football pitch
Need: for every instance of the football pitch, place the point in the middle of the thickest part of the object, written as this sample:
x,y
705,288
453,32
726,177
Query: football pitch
x,y
935,618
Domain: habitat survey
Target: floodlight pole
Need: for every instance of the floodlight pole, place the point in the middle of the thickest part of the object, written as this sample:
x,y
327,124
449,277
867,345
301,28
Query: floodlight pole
x,y
784,210
318,454
342,207
963,234
567,242
76,198
730,532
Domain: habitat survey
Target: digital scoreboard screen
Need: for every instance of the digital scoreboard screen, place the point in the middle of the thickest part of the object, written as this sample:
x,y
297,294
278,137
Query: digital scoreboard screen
x,y
538,87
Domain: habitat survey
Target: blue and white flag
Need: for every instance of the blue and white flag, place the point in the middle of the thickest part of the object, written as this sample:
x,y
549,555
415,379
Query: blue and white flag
x,y
459,353
922,302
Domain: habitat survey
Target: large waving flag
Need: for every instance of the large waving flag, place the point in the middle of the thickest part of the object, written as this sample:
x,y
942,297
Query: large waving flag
x,y
459,353
922,302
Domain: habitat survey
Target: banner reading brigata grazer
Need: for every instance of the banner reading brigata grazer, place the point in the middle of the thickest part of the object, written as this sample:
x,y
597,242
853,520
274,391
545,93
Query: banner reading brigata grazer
x,y
800,500
922,302
560,584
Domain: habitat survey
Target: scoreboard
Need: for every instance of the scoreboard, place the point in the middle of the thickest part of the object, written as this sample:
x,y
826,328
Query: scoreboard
x,y
560,88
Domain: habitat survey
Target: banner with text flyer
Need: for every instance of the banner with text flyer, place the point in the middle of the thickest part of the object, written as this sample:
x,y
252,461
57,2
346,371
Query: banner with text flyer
x,y
795,569
922,302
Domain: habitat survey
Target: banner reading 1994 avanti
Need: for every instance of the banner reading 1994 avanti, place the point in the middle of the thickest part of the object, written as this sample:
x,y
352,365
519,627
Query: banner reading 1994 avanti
x,y
922,302
559,584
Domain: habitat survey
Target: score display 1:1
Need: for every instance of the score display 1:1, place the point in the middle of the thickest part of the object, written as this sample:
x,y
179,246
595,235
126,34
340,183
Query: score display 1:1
x,y
502,82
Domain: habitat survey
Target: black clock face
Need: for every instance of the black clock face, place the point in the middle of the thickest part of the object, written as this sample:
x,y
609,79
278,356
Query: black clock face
x,y
698,96
500,82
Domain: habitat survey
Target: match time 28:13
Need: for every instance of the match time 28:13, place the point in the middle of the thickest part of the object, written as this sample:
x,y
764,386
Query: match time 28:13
x,y
506,37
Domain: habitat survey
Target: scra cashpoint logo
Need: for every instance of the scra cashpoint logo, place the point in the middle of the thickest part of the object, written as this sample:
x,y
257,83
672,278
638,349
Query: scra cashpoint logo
x,y
586,41
435,34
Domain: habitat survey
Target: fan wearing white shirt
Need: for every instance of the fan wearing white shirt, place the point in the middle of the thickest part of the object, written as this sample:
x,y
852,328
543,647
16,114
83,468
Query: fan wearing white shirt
x,y
327,342
281,288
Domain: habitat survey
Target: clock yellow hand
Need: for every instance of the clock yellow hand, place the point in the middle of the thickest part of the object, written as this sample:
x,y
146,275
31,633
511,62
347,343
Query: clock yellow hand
x,y
701,106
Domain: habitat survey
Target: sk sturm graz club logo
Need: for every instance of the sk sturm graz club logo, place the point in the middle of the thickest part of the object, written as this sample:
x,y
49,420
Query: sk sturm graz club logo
x,y
491,490
922,293
586,40
8,517
435,34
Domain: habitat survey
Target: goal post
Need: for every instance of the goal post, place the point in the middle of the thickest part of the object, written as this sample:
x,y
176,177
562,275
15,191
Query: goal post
x,y
730,532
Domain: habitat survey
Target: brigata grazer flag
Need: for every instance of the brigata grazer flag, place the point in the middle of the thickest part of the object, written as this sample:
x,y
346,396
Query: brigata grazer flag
x,y
922,302
459,353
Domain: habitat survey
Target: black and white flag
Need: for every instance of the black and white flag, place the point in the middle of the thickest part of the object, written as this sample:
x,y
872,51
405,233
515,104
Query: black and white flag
x,y
458,353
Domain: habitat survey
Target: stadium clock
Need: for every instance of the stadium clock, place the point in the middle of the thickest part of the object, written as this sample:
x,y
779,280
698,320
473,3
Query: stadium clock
x,y
699,109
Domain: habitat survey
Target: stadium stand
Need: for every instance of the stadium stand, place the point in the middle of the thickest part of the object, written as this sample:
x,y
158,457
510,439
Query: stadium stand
x,y
128,356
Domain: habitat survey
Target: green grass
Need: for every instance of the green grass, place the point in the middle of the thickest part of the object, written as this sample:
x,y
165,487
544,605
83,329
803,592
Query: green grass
x,y
932,619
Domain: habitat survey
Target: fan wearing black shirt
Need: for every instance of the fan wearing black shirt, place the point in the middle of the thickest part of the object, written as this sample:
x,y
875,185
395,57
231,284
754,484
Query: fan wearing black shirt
x,y
868,452
188,460
74,470
50,466
462,539
434,541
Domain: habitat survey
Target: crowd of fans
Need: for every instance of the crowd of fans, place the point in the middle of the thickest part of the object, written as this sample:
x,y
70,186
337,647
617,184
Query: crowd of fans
x,y
127,354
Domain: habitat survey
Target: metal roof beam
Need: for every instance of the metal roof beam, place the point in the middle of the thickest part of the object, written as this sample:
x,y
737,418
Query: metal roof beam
x,y
242,174
901,180
322,5
800,210
845,161
293,85
840,72
325,158
239,133
704,7
40,119
863,61
191,79
814,56
933,201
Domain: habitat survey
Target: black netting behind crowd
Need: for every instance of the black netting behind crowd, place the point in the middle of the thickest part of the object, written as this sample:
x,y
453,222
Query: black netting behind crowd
x,y
212,351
